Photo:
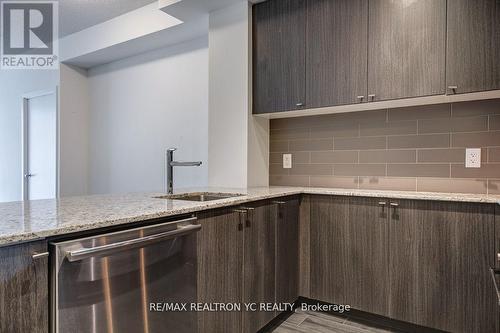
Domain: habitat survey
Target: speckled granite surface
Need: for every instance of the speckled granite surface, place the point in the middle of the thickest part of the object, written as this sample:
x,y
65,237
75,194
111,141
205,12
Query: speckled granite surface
x,y
24,221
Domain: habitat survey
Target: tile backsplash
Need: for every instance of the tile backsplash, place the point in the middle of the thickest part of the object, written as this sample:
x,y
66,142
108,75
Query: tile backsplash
x,y
419,148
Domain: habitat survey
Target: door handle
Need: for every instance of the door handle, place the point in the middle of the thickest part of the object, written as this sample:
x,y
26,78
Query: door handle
x,y
371,97
494,273
39,255
105,250
247,220
29,175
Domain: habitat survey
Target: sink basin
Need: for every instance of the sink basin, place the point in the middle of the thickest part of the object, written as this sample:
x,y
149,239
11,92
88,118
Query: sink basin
x,y
205,196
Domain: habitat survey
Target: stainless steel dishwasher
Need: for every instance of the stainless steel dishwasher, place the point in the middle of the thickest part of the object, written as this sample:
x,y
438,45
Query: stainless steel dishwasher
x,y
108,283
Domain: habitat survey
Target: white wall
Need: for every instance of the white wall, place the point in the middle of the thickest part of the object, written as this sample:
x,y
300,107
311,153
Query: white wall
x,y
74,131
238,142
139,107
13,85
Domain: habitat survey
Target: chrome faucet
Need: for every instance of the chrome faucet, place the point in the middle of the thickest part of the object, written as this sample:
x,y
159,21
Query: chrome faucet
x,y
169,169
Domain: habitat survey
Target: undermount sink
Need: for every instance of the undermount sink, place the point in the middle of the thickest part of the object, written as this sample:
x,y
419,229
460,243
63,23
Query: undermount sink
x,y
205,196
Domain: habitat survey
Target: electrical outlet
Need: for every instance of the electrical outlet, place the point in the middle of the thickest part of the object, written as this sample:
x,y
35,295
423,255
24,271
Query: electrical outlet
x,y
287,161
473,157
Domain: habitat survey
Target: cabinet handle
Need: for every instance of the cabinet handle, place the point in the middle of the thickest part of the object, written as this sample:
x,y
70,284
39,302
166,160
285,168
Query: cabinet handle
x,y
394,205
371,97
382,203
360,98
498,256
299,105
454,88
240,211
279,202
40,255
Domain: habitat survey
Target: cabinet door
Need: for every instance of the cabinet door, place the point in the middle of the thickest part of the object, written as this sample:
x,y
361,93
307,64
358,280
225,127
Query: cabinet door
x,y
406,48
473,50
440,256
336,52
367,255
287,250
24,285
329,219
220,266
349,252
279,55
259,264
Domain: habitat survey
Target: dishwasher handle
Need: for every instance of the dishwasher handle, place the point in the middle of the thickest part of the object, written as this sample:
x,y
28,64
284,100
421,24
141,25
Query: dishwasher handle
x,y
105,250
494,272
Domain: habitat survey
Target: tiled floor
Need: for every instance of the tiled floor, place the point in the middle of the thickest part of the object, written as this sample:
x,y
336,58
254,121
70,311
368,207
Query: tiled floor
x,y
317,322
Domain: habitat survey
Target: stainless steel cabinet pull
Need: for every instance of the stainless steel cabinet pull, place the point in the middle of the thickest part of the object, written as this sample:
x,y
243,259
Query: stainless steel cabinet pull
x,y
371,97
382,203
453,87
494,273
241,211
40,255
100,251
279,202
299,105
360,98
394,204
498,256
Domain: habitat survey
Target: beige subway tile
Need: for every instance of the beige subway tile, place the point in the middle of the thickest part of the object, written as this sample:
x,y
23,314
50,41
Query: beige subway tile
x,y
290,123
485,171
335,130
289,134
494,123
446,125
476,108
334,182
387,156
311,145
494,186
283,180
403,127
385,183
312,169
451,185
277,169
278,146
418,170
376,142
419,141
297,157
420,112
493,154
359,170
475,140
351,117
451,155
335,157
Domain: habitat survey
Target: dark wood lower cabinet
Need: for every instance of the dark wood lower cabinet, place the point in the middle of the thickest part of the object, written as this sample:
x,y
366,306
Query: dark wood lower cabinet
x,y
423,262
287,250
220,274
349,252
259,264
24,289
440,255
241,260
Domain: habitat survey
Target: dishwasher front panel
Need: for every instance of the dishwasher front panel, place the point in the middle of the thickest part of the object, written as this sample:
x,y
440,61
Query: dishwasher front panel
x,y
106,284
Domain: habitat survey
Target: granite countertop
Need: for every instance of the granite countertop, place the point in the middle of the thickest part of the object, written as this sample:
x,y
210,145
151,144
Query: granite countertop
x,y
26,221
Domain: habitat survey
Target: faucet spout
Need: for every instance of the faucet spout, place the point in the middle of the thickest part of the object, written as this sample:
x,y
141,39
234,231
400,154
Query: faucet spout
x,y
169,169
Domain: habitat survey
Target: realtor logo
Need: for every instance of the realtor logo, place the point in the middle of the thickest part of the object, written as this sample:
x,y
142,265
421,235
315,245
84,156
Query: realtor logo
x,y
29,35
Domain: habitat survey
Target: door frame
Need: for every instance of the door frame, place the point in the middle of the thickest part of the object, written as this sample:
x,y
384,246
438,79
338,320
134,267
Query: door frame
x,y
24,137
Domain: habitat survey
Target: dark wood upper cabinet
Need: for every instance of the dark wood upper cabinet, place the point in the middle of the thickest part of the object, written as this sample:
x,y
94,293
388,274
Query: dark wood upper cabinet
x,y
440,255
473,50
337,37
279,44
406,49
24,289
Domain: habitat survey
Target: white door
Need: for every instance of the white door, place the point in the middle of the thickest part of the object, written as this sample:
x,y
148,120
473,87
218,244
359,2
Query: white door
x,y
40,167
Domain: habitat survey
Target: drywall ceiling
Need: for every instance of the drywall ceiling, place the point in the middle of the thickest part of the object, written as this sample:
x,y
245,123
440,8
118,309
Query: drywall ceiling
x,y
77,15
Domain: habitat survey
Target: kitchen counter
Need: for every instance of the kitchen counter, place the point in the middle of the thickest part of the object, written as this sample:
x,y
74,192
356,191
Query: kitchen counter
x,y
26,221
